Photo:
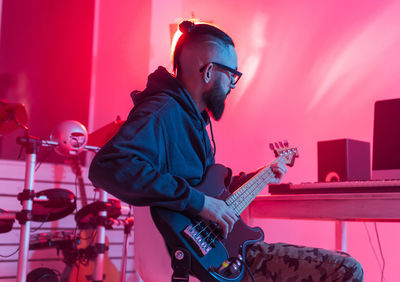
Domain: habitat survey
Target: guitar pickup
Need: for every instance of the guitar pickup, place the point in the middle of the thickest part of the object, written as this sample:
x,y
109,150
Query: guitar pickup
x,y
198,239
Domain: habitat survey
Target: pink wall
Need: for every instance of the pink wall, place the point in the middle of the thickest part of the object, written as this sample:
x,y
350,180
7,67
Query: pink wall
x,y
45,63
312,71
120,58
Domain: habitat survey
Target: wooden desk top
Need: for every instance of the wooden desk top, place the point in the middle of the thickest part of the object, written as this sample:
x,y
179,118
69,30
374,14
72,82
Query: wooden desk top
x,y
341,206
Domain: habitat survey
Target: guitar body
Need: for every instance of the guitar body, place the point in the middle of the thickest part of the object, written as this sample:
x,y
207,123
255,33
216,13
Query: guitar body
x,y
84,272
175,228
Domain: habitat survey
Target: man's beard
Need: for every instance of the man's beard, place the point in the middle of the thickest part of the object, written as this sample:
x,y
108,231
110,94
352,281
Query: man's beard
x,y
215,101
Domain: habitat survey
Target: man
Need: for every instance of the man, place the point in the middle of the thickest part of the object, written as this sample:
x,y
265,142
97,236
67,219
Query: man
x,y
163,151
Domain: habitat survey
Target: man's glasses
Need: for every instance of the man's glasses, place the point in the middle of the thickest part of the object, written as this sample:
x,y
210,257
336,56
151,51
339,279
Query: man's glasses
x,y
235,74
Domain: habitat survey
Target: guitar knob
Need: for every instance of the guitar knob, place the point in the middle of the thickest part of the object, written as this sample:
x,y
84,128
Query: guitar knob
x,y
234,266
230,266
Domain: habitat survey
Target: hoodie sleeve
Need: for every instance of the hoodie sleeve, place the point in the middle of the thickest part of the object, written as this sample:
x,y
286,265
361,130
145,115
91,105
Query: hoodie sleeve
x,y
130,167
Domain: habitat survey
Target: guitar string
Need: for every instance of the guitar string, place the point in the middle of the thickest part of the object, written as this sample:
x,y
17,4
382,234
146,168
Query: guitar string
x,y
210,234
243,194
214,236
241,202
253,185
243,190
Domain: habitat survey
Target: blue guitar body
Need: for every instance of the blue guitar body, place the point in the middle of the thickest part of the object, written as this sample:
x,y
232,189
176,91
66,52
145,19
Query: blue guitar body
x,y
212,257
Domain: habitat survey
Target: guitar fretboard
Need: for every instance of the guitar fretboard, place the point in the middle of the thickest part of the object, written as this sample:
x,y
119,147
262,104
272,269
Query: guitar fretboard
x,y
248,192
244,195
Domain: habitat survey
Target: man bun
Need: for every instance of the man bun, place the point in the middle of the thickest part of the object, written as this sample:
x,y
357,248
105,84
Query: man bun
x,y
195,33
186,26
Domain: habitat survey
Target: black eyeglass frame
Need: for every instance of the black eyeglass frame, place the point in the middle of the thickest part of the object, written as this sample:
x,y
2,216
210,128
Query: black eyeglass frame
x,y
236,76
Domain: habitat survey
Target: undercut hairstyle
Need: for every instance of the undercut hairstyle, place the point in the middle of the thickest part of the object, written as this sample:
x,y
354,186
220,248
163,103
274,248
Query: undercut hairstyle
x,y
192,32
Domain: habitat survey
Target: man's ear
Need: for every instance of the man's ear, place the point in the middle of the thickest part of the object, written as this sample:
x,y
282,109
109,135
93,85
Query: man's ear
x,y
207,73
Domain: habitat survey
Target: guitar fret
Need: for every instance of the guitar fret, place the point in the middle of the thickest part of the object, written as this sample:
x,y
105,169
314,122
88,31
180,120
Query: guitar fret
x,y
243,197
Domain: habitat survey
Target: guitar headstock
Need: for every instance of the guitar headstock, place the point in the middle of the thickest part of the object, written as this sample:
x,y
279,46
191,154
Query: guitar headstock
x,y
283,151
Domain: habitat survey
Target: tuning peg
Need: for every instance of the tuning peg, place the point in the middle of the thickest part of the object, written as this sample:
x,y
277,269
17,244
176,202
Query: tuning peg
x,y
281,144
286,143
276,145
271,146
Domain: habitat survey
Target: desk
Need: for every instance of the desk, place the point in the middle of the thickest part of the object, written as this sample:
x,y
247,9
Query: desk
x,y
340,207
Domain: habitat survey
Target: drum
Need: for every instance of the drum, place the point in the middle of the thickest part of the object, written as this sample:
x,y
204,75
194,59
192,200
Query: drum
x,y
86,217
6,223
43,274
53,204
58,239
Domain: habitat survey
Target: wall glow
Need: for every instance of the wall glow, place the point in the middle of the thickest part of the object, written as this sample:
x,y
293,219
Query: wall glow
x,y
312,71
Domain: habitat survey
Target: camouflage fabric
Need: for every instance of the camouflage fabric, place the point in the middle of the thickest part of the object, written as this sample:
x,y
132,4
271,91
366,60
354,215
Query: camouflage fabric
x,y
289,263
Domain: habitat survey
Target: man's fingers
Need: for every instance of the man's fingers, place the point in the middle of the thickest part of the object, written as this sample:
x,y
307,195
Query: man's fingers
x,y
229,222
217,210
225,227
226,222
279,170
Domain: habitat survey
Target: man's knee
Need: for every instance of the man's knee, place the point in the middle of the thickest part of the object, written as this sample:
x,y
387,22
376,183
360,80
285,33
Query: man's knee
x,y
355,272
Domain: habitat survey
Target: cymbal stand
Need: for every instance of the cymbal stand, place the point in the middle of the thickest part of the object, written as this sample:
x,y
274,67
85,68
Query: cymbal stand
x,y
27,202
31,144
128,224
100,241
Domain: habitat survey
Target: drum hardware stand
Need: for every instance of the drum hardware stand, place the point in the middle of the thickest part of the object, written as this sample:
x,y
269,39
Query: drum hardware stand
x,y
13,116
27,203
100,222
31,144
128,224
100,247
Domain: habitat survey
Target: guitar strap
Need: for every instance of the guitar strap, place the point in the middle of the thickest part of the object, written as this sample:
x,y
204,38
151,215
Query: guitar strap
x,y
181,261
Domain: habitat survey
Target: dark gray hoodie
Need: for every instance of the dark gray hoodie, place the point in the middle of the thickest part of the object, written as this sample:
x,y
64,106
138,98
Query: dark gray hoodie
x,y
160,152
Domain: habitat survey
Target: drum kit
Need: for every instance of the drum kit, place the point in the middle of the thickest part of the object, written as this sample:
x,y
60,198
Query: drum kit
x,y
68,139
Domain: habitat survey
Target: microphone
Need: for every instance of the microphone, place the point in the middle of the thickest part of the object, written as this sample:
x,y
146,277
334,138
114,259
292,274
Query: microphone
x,y
71,137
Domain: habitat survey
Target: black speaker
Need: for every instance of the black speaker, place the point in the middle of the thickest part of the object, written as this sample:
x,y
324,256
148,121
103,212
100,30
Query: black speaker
x,y
386,146
343,160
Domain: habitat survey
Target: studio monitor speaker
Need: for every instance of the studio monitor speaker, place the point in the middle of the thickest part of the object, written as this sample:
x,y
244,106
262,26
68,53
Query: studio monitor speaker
x,y
343,160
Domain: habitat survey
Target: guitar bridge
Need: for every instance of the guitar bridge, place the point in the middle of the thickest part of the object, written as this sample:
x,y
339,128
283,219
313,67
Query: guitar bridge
x,y
200,239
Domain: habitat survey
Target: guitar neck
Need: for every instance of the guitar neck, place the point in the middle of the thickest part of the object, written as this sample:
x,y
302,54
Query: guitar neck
x,y
245,194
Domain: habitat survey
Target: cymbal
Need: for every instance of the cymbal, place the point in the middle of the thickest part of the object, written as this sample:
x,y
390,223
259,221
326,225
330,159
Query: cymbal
x,y
100,136
12,116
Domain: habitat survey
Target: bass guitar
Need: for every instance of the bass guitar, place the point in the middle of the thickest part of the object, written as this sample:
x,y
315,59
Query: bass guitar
x,y
212,257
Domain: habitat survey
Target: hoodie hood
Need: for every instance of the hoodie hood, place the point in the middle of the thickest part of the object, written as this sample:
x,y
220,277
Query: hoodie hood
x,y
161,81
